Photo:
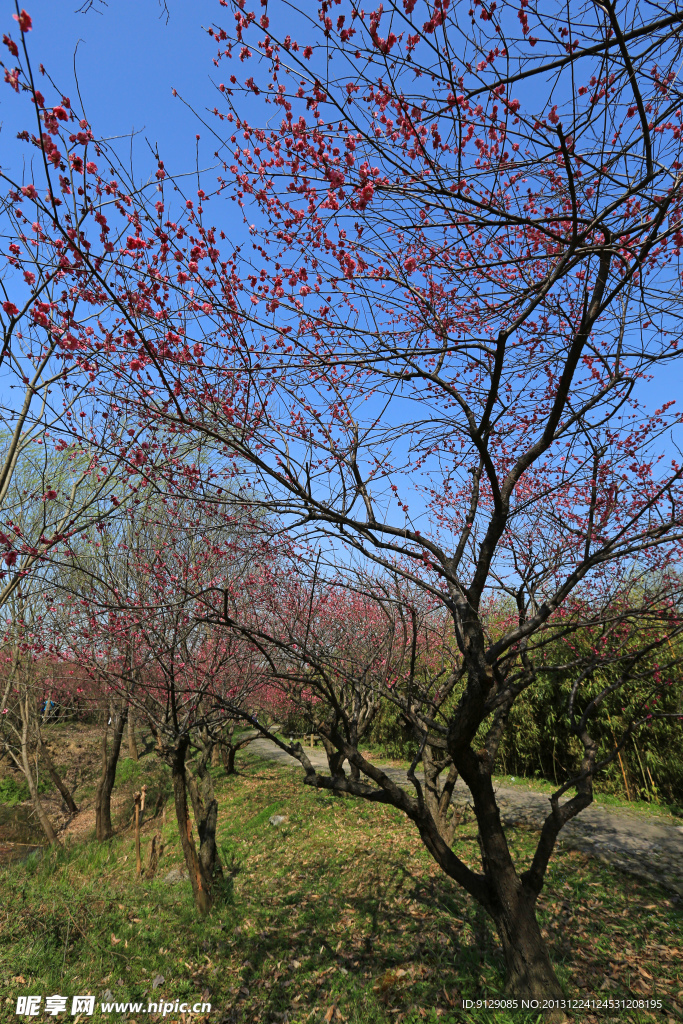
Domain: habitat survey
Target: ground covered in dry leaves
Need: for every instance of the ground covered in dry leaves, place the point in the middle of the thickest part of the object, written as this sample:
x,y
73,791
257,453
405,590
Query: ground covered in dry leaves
x,y
337,914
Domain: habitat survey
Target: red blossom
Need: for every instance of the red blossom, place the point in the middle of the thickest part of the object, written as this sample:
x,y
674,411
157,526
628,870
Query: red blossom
x,y
24,19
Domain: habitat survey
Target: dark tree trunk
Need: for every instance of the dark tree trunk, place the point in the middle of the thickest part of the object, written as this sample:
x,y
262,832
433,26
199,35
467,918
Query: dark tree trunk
x,y
530,974
508,899
54,775
354,769
228,754
228,749
511,901
335,759
110,758
200,884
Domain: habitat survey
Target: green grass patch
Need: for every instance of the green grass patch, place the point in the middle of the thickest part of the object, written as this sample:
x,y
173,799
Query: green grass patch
x,y
339,914
13,792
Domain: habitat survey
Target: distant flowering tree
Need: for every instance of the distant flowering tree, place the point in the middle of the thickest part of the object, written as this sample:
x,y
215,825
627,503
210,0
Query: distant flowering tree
x,y
32,691
131,616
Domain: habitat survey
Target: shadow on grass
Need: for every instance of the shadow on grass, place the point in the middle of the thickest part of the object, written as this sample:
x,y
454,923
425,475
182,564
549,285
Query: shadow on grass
x,y
338,914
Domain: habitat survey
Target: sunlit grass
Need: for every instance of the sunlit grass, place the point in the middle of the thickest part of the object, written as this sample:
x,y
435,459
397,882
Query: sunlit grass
x,y
337,914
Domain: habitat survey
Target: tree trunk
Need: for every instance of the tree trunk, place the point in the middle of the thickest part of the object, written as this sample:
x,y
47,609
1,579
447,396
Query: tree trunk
x,y
437,793
228,749
200,884
354,769
206,818
530,974
205,807
45,822
229,760
335,759
54,775
132,745
155,852
110,760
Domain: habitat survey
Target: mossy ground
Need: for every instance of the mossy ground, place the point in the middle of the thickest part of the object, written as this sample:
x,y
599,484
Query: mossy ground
x,y
339,914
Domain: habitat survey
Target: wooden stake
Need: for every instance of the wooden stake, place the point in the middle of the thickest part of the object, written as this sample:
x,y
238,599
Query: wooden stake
x,y
138,797
155,852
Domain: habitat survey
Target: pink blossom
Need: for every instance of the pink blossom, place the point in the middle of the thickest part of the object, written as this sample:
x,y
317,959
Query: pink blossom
x,y
11,45
24,19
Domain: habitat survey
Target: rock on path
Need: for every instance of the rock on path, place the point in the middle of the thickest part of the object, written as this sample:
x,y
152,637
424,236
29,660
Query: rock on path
x,y
643,848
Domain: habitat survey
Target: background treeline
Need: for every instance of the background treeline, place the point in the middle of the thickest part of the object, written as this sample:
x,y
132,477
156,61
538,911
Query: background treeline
x,y
538,744
538,741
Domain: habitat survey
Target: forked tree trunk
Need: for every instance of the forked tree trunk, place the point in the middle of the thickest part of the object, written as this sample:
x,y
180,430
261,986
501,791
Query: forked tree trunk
x,y
335,759
512,906
228,754
110,758
228,749
200,884
205,807
54,775
438,792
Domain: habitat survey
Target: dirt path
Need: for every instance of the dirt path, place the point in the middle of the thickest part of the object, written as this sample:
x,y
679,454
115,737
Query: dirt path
x,y
643,848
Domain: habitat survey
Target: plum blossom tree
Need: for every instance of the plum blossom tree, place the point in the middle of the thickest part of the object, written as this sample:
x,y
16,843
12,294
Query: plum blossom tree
x,y
130,617
465,269
466,228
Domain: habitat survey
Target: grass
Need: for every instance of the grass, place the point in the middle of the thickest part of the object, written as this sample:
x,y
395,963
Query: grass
x,y
13,792
337,915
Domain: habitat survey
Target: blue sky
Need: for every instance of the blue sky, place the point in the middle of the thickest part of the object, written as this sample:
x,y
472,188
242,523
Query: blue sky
x,y
128,59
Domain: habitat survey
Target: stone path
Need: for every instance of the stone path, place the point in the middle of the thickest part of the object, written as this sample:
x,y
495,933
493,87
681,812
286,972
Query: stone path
x,y
644,848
